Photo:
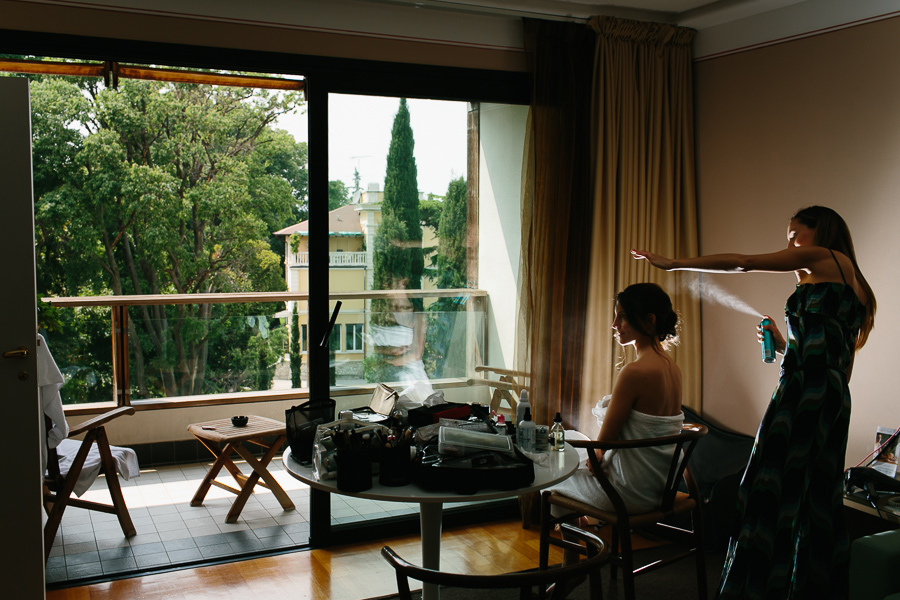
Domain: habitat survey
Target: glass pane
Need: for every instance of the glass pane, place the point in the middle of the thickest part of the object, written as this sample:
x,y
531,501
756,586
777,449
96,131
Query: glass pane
x,y
81,345
190,350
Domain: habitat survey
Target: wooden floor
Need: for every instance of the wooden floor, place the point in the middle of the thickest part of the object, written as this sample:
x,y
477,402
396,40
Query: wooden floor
x,y
341,573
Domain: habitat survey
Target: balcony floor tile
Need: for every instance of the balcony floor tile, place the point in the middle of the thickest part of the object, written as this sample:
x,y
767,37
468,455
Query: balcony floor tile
x,y
171,533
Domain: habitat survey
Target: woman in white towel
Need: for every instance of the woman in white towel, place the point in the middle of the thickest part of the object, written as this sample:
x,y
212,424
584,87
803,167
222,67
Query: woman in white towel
x,y
645,403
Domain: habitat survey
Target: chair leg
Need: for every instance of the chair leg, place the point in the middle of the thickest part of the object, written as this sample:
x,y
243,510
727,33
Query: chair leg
x,y
61,498
544,544
403,587
544,552
112,482
699,552
614,543
627,563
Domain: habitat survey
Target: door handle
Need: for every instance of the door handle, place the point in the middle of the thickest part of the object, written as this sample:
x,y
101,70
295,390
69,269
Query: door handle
x,y
20,352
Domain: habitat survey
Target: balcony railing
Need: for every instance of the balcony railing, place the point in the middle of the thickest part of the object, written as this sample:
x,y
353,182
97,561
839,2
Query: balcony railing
x,y
455,337
335,259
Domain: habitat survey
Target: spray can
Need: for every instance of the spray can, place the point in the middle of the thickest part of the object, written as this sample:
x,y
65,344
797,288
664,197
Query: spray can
x,y
768,345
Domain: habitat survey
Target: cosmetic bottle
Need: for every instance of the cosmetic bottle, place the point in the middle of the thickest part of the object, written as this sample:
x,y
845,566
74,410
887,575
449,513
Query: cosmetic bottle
x,y
522,406
557,434
525,434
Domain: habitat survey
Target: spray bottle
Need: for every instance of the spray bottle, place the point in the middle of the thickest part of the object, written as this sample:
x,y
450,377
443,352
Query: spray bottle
x,y
768,345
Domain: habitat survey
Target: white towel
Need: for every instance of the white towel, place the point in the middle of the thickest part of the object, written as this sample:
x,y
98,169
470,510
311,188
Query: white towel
x,y
126,463
50,380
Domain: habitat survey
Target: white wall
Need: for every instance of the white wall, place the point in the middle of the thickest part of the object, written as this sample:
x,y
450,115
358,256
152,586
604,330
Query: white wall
x,y
502,138
812,121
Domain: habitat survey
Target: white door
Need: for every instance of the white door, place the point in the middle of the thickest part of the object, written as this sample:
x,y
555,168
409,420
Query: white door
x,y
22,572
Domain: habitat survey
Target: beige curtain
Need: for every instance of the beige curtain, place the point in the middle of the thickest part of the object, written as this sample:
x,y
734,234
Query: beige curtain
x,y
644,190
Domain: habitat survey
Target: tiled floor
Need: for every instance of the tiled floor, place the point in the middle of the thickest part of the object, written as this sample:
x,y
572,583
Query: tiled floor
x,y
170,532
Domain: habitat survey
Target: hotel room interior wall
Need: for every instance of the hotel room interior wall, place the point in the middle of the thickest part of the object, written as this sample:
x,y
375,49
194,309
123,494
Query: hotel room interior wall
x,y
502,138
812,121
338,29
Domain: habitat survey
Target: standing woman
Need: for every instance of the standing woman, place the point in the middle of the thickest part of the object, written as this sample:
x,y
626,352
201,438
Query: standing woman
x,y
792,541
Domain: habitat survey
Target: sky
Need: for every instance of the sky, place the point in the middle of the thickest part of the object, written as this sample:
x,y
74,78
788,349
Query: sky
x,y
360,135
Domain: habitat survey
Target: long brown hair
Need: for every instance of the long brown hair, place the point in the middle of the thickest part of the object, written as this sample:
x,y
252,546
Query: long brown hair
x,y
832,233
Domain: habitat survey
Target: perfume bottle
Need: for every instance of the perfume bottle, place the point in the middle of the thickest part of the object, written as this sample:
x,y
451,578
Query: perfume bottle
x,y
768,345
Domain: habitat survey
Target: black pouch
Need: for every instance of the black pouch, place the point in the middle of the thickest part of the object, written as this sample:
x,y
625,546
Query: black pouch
x,y
486,470
301,422
428,415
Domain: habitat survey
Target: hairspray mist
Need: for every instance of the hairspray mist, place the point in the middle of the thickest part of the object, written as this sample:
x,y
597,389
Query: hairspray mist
x,y
768,344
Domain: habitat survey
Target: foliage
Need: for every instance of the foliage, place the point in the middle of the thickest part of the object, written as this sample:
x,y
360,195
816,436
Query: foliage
x,y
430,211
357,178
168,188
401,204
452,236
295,356
81,345
338,195
446,314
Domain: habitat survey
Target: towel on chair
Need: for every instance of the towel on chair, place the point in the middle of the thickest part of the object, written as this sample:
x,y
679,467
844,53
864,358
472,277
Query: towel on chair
x,y
126,463
50,380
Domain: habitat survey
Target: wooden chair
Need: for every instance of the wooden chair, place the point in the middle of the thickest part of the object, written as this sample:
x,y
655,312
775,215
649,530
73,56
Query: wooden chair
x,y
508,386
58,487
596,550
673,504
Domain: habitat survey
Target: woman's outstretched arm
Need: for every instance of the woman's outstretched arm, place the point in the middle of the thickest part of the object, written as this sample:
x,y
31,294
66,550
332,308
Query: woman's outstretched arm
x,y
790,259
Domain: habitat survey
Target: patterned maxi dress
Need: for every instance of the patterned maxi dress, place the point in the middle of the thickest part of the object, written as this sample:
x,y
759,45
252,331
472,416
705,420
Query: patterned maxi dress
x,y
792,541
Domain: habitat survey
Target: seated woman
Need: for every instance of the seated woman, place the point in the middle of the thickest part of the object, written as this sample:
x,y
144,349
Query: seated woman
x,y
645,403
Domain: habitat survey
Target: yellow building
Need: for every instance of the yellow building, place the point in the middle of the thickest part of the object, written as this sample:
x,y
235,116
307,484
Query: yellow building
x,y
351,238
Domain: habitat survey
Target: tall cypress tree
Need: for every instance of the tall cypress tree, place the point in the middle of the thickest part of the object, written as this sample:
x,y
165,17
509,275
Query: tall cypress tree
x,y
398,259
401,198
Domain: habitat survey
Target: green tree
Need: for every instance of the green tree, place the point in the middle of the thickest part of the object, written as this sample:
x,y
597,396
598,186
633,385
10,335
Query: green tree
x,y
167,188
445,350
295,349
401,202
338,195
452,237
356,180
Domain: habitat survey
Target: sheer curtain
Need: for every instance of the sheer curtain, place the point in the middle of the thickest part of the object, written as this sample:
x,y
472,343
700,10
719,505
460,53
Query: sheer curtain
x,y
634,127
557,215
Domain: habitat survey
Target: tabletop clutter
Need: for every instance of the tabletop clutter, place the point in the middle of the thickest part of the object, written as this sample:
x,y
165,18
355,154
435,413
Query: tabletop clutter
x,y
432,443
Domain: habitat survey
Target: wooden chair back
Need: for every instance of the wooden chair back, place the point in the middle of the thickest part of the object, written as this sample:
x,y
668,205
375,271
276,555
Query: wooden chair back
x,y
673,503
595,549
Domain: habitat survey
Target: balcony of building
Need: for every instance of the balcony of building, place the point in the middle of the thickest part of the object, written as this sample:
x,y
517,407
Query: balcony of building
x,y
335,259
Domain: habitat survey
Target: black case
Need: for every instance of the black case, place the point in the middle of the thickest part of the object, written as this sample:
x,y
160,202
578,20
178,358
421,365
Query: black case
x,y
301,422
485,470
428,415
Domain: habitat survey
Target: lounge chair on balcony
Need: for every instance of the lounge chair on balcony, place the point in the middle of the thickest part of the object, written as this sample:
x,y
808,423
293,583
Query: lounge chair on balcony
x,y
72,465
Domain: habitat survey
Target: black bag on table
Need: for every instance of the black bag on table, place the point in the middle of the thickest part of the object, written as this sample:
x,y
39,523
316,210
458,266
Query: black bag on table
x,y
485,470
428,415
301,422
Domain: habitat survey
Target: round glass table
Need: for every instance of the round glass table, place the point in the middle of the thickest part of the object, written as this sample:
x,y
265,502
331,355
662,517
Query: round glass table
x,y
560,465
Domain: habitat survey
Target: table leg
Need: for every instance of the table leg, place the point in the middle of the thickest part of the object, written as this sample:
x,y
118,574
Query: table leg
x,y
430,520
222,458
260,467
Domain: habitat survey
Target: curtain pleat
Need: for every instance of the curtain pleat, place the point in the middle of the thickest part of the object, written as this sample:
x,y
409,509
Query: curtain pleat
x,y
609,166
